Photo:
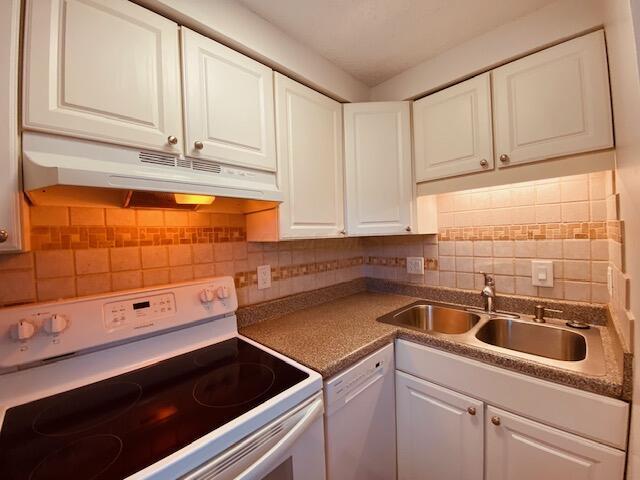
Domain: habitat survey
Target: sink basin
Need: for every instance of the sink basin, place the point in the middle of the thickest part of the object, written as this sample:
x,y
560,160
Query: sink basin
x,y
433,318
542,340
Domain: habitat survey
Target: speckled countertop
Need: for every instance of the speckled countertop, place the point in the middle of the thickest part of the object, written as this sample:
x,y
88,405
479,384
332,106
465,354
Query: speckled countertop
x,y
331,336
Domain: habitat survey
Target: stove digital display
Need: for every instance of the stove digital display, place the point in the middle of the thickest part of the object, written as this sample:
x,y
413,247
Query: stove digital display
x,y
139,305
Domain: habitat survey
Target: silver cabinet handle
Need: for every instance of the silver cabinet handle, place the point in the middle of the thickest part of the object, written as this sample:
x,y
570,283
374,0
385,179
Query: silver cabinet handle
x,y
504,158
484,163
343,232
408,229
495,421
198,145
4,236
172,140
471,410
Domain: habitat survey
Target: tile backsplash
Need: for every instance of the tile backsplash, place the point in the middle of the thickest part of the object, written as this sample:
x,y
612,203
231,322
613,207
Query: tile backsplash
x,y
572,221
80,251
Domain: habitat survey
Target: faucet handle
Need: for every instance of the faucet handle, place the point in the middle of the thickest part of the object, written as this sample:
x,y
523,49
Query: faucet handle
x,y
488,279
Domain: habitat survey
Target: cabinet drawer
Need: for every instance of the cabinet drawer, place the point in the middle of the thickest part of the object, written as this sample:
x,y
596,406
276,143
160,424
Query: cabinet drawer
x,y
593,416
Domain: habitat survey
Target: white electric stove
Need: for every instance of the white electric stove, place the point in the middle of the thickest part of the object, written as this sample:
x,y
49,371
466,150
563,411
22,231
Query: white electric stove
x,y
152,383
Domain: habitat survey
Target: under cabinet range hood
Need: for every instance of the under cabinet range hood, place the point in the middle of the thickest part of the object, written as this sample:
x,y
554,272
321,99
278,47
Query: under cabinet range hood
x,y
51,161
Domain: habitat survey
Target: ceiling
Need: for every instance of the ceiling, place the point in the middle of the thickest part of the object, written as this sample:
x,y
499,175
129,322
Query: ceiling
x,y
374,40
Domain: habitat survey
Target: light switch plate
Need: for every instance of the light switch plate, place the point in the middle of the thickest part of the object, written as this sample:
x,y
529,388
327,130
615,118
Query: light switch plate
x,y
542,273
264,277
415,265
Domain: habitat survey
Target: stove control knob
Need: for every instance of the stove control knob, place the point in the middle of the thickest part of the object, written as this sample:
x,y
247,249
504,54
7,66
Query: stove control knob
x,y
23,330
56,324
222,292
206,295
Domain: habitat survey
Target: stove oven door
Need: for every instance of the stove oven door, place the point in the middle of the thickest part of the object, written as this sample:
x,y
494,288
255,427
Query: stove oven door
x,y
290,448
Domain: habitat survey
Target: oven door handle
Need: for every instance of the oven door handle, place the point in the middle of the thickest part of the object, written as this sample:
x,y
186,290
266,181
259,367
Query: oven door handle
x,y
264,464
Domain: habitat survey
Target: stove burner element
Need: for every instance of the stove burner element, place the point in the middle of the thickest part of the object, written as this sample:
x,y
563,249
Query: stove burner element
x,y
87,407
85,458
233,385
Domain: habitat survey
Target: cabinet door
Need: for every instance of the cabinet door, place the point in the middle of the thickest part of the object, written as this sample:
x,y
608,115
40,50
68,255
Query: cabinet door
x,y
378,177
526,450
452,130
309,139
228,105
10,201
554,102
104,70
440,432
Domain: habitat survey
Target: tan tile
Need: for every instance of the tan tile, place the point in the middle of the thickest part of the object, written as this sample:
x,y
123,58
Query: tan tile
x,y
504,283
126,280
548,193
574,190
219,219
16,261
222,252
239,250
598,210
54,263
557,291
503,266
575,212
551,213
204,270
503,248
149,218
447,279
577,270
525,248
202,253
577,291
599,249
93,260
49,215
125,258
599,293
176,218
181,274
154,277
180,255
154,257
524,287
237,221
465,280
93,284
464,247
120,216
17,286
549,248
56,288
224,269
87,216
197,219
576,249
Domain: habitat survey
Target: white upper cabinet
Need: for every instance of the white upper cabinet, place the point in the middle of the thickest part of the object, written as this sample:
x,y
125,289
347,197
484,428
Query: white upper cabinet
x,y
440,432
228,105
553,103
310,165
452,130
517,448
378,177
11,238
105,70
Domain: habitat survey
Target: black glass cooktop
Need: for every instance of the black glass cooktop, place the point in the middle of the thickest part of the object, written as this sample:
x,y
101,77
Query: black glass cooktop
x,y
116,427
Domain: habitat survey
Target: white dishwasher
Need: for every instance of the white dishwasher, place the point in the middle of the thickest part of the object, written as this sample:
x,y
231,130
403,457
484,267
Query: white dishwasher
x,y
360,420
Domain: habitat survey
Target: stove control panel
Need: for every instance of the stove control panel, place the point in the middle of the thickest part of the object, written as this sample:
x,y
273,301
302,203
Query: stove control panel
x,y
50,330
140,312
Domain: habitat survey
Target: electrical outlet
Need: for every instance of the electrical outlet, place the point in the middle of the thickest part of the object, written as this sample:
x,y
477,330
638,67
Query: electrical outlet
x,y
415,265
264,277
542,273
610,280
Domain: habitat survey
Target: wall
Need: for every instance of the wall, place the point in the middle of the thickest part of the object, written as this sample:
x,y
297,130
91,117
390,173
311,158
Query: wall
x,y
80,251
623,44
234,25
500,230
551,24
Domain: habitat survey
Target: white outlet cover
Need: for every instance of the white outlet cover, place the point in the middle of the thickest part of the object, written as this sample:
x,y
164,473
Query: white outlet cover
x,y
264,277
610,280
542,273
415,265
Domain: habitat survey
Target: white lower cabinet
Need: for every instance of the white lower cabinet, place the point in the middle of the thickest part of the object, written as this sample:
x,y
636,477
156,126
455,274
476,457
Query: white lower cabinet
x,y
452,430
517,448
439,432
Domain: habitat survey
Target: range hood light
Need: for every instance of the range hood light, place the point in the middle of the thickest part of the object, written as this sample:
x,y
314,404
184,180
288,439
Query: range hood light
x,y
187,199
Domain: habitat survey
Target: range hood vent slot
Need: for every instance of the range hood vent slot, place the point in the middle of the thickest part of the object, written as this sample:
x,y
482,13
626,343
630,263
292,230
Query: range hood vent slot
x,y
141,199
206,166
183,163
157,159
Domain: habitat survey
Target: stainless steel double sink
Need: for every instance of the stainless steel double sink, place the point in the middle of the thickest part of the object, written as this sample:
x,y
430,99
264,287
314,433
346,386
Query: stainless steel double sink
x,y
550,343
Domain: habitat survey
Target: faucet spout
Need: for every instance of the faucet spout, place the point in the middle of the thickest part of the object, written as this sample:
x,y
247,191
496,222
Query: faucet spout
x,y
488,293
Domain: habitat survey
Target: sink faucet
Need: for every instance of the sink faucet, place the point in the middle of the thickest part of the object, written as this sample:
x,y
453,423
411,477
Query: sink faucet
x,y
488,293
